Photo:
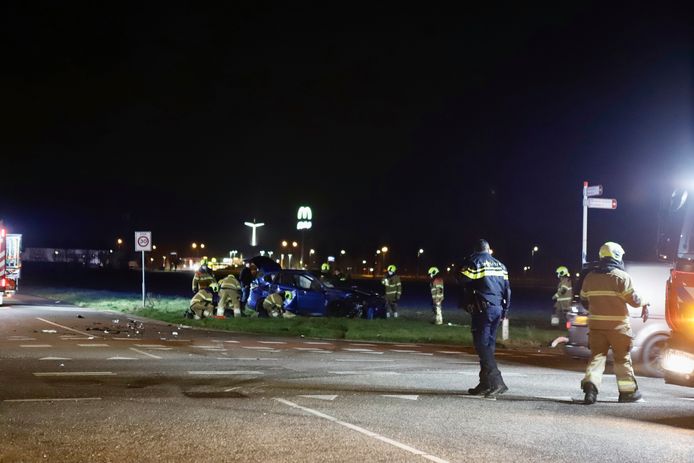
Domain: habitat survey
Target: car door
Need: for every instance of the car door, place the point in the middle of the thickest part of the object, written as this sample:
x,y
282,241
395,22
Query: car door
x,y
310,297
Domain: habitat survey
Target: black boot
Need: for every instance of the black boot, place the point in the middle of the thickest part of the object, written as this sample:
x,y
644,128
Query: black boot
x,y
591,393
627,397
478,390
496,391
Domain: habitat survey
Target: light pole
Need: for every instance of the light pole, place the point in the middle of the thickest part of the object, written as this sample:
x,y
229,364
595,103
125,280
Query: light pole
x,y
384,250
532,258
195,248
419,253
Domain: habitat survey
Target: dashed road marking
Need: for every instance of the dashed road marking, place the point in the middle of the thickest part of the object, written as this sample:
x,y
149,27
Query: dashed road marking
x,y
34,345
403,351
122,358
148,346
234,342
402,396
93,345
229,372
145,353
20,338
55,358
320,397
422,353
272,342
75,373
319,342
358,350
366,432
247,358
60,399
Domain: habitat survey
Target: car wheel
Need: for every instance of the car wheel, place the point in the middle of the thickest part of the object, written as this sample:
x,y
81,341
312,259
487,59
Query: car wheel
x,y
651,355
335,309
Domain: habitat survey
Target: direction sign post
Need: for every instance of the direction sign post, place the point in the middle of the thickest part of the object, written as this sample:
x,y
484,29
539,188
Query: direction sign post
x,y
143,242
589,201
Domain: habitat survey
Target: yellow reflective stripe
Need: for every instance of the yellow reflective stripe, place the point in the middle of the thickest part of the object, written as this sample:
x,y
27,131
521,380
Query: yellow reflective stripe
x,y
481,273
600,293
563,298
626,385
628,291
612,318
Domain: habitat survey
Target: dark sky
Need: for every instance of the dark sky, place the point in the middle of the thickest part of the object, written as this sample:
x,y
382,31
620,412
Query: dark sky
x,y
414,128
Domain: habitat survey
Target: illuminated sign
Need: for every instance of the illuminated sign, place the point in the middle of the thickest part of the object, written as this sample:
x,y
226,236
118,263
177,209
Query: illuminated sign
x,y
304,217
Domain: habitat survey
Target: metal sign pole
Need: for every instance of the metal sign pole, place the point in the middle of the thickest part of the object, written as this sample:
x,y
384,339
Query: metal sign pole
x,y
143,279
584,243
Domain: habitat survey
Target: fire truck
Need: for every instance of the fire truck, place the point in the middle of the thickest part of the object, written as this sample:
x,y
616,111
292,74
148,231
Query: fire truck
x,y
10,263
676,245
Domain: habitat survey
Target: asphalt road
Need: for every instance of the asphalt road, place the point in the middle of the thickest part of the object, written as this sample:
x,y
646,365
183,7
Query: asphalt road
x,y
81,385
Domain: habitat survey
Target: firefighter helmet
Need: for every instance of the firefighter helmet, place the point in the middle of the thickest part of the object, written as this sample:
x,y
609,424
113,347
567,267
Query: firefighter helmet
x,y
288,295
325,267
562,271
611,250
392,268
433,271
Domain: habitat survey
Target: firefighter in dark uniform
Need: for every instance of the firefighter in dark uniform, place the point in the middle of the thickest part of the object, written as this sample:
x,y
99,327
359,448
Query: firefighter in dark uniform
x,y
487,297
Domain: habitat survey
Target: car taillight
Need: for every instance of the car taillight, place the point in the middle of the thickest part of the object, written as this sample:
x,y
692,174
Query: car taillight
x,y
568,325
3,283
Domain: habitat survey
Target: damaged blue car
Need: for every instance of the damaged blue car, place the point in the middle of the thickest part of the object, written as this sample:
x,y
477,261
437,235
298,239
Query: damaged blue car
x,y
314,297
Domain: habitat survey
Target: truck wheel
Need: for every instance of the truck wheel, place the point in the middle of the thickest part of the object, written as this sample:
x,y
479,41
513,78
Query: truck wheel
x,y
652,353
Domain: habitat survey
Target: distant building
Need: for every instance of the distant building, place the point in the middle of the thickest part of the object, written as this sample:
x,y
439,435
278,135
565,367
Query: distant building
x,y
94,258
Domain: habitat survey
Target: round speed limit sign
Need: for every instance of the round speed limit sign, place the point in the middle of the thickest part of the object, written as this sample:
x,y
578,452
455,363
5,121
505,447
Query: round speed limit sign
x,y
143,241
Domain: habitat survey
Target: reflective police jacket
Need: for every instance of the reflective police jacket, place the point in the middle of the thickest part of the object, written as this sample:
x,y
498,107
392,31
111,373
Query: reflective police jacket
x,y
485,282
605,292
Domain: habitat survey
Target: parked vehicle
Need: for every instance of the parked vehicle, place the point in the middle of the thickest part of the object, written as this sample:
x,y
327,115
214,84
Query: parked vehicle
x,y
316,298
650,337
10,263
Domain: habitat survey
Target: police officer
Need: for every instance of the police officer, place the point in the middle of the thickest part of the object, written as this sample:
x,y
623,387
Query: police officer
x,y
229,288
606,291
562,298
436,286
487,297
393,291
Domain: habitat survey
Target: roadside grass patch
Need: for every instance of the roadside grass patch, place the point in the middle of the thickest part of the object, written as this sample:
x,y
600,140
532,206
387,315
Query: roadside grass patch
x,y
417,329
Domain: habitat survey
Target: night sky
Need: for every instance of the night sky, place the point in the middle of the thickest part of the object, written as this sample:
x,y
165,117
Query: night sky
x,y
413,128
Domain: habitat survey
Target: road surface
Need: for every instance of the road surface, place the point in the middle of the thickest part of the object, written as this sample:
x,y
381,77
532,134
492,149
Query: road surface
x,y
82,385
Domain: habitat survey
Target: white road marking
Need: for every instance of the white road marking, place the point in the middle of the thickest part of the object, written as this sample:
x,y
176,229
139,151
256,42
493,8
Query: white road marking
x,y
403,351
372,353
55,358
272,342
20,338
145,353
75,373
258,348
246,358
65,327
358,350
401,396
208,347
62,399
72,337
422,353
363,360
448,352
93,345
320,397
229,372
308,348
319,342
148,346
361,344
121,358
364,431
35,345
235,342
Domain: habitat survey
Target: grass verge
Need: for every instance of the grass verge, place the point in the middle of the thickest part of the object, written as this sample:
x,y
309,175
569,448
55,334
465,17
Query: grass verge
x,y
522,334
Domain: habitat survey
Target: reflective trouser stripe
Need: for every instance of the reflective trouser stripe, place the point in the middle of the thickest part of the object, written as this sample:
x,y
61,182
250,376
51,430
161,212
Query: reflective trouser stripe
x,y
563,299
609,318
600,342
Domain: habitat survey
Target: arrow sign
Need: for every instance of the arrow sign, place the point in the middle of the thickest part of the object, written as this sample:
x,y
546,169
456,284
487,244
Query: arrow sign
x,y
602,203
594,190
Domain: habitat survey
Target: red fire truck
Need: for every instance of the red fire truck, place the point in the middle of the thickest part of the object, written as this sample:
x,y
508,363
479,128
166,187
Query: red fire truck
x,y
10,262
676,245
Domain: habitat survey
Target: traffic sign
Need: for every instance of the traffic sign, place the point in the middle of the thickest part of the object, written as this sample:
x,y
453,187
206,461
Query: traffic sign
x,y
602,203
594,190
143,241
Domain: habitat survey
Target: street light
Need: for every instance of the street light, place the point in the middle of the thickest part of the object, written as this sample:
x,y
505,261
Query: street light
x,y
284,244
532,257
384,250
419,253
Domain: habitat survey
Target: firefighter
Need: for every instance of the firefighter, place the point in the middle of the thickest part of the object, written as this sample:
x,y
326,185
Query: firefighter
x,y
203,277
562,298
229,289
487,297
605,292
202,303
275,304
436,286
393,291
325,272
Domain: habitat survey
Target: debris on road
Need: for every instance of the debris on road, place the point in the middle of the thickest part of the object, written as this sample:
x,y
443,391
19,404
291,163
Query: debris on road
x,y
48,331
